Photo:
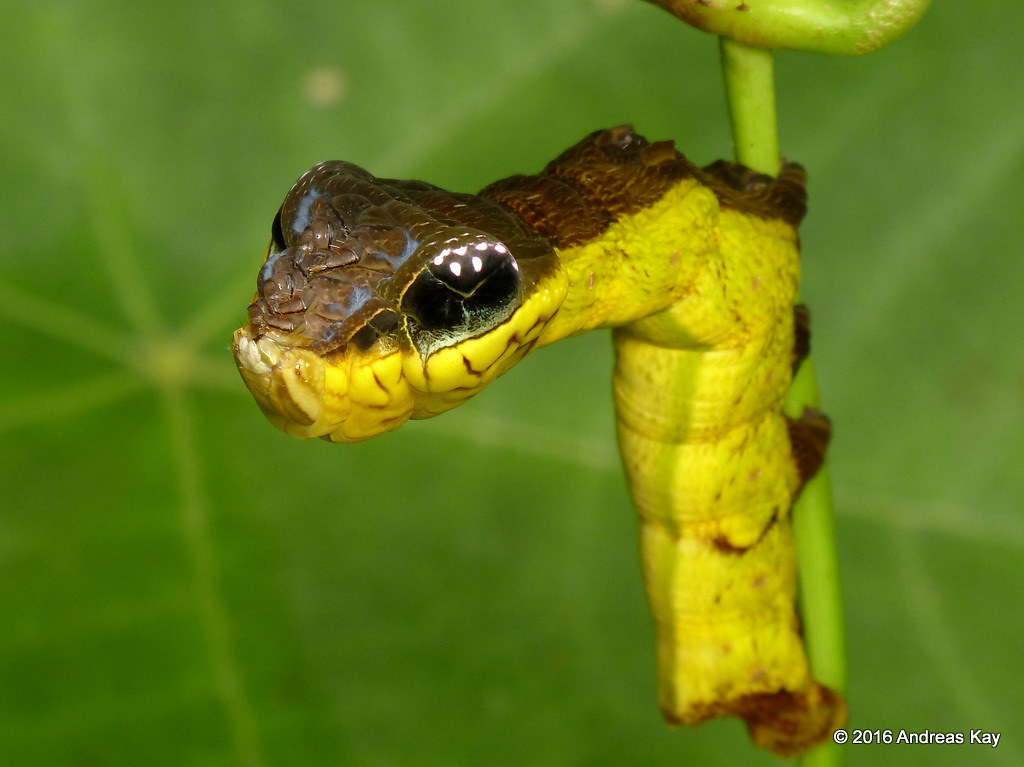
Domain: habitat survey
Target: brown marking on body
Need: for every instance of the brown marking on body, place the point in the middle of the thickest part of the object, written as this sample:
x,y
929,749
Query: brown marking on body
x,y
379,383
617,172
808,438
539,322
469,366
724,546
801,335
609,174
741,188
788,723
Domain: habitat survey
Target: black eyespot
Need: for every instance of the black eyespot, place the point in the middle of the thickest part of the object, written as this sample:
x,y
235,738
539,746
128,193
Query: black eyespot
x,y
471,287
276,234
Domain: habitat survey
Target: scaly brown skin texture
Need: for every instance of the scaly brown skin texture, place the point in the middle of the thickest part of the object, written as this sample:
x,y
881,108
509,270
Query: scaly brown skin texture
x,y
382,300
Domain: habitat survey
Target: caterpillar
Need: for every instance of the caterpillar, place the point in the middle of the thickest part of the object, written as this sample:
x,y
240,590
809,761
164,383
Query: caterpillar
x,y
382,300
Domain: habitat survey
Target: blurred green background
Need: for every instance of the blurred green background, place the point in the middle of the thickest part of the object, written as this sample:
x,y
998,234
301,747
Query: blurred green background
x,y
180,584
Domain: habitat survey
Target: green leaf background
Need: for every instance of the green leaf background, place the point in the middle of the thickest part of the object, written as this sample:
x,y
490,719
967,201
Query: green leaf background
x,y
180,584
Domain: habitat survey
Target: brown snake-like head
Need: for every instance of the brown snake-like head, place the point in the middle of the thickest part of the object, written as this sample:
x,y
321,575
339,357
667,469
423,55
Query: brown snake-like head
x,y
381,300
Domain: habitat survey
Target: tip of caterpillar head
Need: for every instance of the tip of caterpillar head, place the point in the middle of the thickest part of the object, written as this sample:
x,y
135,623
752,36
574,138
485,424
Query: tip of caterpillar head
x,y
341,398
286,381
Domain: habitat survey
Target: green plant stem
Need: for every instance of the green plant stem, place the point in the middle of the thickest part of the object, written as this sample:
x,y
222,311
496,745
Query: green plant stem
x,y
833,27
750,92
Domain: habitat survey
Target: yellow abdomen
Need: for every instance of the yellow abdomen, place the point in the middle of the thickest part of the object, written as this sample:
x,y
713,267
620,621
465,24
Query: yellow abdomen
x,y
699,390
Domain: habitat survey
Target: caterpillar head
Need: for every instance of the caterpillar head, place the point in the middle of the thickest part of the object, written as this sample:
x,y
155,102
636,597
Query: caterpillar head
x,y
381,300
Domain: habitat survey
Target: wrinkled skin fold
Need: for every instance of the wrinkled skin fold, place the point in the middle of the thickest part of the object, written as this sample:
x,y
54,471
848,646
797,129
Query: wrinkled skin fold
x,y
384,300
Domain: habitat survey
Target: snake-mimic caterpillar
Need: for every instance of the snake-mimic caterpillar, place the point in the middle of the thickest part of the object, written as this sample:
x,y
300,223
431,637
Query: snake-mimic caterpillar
x,y
384,300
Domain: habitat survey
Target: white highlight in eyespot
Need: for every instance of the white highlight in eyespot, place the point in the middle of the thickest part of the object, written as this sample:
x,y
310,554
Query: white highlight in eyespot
x,y
456,268
478,263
